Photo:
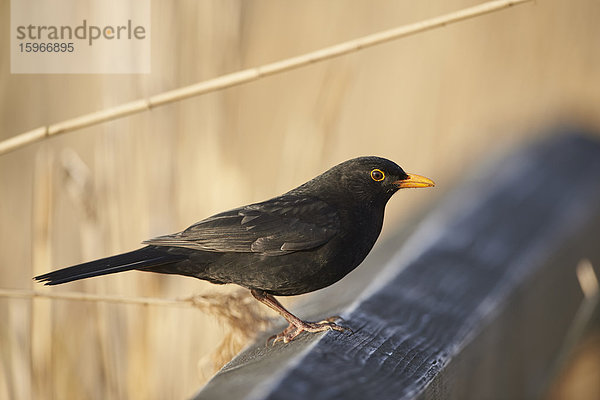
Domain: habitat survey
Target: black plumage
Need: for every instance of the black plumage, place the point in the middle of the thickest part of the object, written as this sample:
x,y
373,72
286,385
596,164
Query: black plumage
x,y
301,241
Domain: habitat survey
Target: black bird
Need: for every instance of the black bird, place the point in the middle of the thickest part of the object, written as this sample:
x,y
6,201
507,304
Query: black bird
x,y
301,241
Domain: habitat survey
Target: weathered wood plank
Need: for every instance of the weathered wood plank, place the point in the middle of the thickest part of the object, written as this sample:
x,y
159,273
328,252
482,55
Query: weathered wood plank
x,y
475,303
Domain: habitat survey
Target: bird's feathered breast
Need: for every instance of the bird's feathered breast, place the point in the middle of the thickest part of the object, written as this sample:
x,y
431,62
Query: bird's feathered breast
x,y
278,226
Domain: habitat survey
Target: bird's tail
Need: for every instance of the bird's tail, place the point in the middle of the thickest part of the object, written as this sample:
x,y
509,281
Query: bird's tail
x,y
142,258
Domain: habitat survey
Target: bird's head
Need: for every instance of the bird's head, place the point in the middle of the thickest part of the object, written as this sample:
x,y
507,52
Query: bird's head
x,y
368,179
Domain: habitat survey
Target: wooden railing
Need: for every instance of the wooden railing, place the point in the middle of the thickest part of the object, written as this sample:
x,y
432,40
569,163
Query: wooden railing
x,y
480,299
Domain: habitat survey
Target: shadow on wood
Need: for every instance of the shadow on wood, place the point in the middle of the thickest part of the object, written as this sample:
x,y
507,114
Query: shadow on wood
x,y
474,303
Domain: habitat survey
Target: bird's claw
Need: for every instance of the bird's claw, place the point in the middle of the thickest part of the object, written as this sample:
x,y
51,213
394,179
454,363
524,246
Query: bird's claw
x,y
294,329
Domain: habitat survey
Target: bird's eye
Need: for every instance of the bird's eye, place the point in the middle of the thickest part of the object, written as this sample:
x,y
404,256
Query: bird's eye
x,y
377,175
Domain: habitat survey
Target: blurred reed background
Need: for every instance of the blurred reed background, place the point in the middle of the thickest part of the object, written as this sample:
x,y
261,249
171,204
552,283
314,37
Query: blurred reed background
x,y
436,103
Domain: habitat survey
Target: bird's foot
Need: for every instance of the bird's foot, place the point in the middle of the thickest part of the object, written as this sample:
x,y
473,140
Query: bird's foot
x,y
297,327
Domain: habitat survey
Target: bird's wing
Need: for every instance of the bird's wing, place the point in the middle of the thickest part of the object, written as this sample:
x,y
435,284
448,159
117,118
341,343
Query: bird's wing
x,y
274,227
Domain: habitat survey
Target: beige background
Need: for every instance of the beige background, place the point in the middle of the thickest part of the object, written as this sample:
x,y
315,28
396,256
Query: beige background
x,y
437,103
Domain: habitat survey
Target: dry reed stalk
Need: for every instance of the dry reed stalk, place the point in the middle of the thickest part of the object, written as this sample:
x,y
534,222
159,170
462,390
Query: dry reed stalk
x,y
237,311
588,281
251,74
4,382
76,296
241,317
41,309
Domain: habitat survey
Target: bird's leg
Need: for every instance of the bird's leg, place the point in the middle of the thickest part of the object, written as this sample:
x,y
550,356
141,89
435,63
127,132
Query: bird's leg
x,y
296,326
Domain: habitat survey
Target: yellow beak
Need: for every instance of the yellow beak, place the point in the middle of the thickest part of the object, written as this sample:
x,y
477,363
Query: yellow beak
x,y
414,181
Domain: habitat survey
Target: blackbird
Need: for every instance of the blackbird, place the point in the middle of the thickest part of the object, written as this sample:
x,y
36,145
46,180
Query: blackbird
x,y
299,242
